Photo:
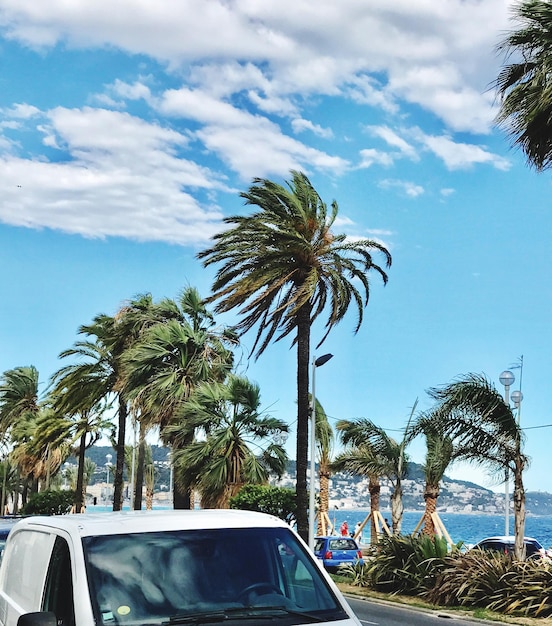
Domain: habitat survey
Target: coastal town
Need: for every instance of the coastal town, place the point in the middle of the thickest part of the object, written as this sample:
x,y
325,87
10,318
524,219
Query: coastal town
x,y
456,496
351,492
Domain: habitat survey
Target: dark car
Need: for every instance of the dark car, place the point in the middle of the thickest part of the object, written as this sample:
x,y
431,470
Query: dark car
x,y
337,551
506,545
6,524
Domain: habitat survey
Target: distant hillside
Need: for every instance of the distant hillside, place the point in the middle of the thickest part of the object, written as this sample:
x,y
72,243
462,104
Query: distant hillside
x,y
352,491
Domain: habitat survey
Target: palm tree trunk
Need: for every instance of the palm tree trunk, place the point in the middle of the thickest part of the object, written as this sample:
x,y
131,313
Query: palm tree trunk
x,y
149,475
374,489
140,462
181,489
80,474
324,478
303,409
120,455
397,509
431,494
519,506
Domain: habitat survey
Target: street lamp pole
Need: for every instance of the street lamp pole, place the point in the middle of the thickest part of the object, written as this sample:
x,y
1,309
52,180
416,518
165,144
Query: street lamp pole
x,y
316,362
507,379
107,466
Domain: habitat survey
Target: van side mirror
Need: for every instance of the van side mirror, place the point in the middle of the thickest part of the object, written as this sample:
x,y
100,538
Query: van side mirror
x,y
40,618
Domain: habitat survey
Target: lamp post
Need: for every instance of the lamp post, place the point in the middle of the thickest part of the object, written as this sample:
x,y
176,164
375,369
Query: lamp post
x,y
107,466
507,379
316,362
517,397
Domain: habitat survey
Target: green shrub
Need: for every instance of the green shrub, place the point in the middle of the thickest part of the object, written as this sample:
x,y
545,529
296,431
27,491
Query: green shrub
x,y
497,582
277,501
49,503
355,574
407,564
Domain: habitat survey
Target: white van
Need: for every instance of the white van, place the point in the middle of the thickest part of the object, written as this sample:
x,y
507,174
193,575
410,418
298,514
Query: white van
x,y
153,568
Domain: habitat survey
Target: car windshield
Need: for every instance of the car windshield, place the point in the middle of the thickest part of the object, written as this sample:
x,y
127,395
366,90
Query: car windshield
x,y
342,544
157,577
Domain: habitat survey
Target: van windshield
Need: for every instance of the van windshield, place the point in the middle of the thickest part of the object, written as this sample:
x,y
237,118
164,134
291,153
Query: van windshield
x,y
162,577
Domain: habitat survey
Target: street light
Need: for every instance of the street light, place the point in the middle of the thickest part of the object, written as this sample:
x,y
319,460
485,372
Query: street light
x,y
316,362
107,466
517,397
507,379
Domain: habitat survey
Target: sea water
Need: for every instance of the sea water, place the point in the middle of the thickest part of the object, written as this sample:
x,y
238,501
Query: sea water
x,y
468,528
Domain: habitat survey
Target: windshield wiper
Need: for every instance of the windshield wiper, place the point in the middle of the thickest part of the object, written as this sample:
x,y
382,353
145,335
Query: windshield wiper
x,y
197,618
242,613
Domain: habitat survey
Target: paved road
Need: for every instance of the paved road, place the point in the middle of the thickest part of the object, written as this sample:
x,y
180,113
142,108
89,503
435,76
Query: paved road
x,y
378,614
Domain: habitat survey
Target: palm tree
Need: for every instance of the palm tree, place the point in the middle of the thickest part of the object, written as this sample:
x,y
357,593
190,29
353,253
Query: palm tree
x,y
170,359
374,453
18,395
362,460
235,446
324,437
475,416
112,336
79,409
440,452
281,267
524,86
20,405
100,354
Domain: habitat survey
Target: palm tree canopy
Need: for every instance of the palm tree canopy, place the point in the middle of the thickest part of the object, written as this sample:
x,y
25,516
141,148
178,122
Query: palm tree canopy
x,y
473,413
284,256
324,434
372,448
18,394
233,448
525,85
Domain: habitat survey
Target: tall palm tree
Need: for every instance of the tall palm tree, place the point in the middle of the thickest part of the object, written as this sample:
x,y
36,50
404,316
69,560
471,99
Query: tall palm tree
x,y
78,414
282,267
20,406
373,452
524,86
113,336
363,461
440,452
234,447
475,416
99,359
170,359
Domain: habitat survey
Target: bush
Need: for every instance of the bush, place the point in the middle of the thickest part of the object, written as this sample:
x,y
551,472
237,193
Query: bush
x,y
407,564
495,581
277,501
49,503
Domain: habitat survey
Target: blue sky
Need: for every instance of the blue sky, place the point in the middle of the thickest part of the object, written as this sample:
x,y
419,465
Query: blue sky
x,y
127,131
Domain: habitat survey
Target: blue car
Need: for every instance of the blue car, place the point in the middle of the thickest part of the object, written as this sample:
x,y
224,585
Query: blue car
x,y
337,551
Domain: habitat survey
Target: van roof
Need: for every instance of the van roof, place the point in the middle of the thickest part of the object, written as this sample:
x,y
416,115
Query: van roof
x,y
122,522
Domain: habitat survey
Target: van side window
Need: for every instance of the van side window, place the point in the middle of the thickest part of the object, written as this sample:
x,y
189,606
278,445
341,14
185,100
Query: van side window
x,y
58,595
27,558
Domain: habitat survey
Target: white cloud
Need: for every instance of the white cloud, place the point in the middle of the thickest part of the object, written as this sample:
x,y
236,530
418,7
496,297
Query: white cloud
x,y
408,188
299,125
394,140
437,55
462,155
370,156
250,144
124,178
241,73
21,111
